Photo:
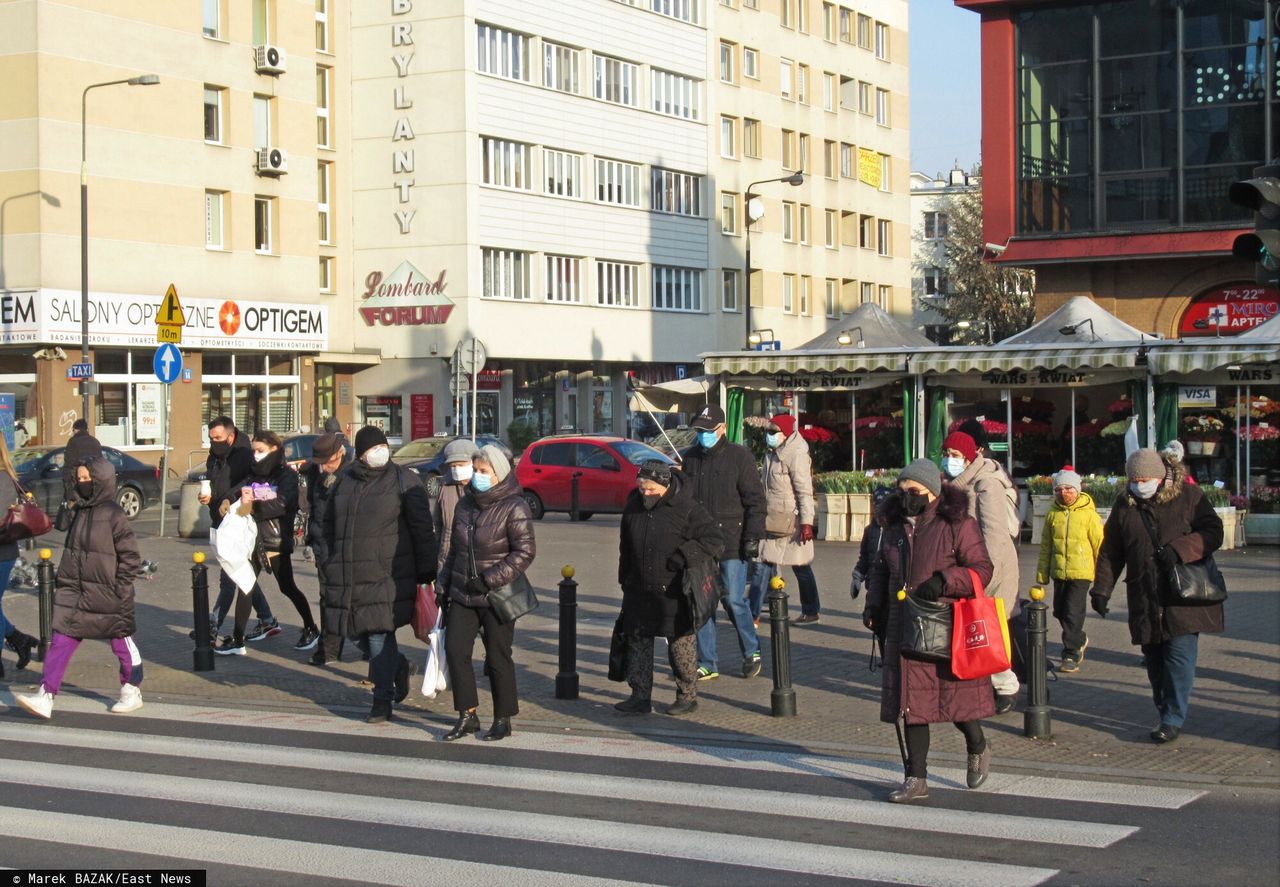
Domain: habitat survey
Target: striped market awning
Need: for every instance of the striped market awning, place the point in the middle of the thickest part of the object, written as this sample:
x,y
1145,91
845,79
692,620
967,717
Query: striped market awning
x,y
1185,357
1009,359
845,360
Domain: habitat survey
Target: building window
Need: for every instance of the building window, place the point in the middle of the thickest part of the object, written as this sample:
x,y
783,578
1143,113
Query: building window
x,y
802,84
674,94
617,182
829,158
935,226
728,212
868,293
882,41
563,276
804,214
322,25
506,273
788,221
885,292
261,121
684,10
562,172
886,172
726,63
729,290
935,282
213,19
784,78
326,274
728,142
846,160
261,18
788,294
882,107
617,81
751,62
506,164
864,31
829,22
677,289
864,98
750,4
676,192
559,67
846,25
263,223
502,53
787,13
883,240
802,16
324,183
804,152
831,298
751,137
828,91
213,216
831,219
213,114
324,77
806,295
788,149
866,232
617,284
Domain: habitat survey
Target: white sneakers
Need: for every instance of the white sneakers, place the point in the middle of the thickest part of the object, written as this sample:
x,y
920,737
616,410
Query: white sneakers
x,y
39,703
130,699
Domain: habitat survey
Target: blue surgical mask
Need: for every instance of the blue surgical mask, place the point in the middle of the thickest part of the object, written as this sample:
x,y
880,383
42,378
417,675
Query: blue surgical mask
x,y
1144,489
481,483
953,466
774,440
707,439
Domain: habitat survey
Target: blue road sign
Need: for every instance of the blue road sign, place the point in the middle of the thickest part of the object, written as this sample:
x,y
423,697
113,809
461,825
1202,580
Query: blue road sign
x,y
167,363
80,371
774,345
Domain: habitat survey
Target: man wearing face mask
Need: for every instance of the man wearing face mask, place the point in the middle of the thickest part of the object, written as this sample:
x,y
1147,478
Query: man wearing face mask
x,y
381,546
1186,529
725,480
458,470
329,460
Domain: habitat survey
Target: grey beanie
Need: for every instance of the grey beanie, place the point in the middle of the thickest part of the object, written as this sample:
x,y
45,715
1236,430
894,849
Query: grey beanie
x,y
1144,463
461,450
925,473
1067,477
497,459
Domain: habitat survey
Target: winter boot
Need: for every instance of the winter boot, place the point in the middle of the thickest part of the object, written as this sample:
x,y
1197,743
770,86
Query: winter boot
x,y
22,644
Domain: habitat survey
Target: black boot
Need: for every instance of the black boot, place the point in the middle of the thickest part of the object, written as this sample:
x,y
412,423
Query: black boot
x,y
500,730
468,724
381,711
22,644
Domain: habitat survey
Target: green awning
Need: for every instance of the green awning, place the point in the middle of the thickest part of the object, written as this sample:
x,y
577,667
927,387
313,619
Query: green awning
x,y
1008,359
1184,357
844,360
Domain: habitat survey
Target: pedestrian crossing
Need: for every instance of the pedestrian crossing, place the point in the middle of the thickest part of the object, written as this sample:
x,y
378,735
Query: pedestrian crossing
x,y
299,792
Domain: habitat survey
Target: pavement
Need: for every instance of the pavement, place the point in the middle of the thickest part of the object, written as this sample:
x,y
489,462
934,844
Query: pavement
x,y
1101,715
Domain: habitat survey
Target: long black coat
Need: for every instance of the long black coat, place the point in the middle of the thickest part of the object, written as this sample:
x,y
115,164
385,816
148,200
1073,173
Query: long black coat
x,y
498,527
226,472
283,508
381,547
320,487
725,480
1185,521
677,532
93,595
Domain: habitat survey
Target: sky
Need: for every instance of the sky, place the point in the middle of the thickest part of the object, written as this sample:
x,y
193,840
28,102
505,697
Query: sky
x,y
945,86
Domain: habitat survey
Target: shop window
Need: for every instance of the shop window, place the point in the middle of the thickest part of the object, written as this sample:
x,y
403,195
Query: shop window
x,y
258,391
325,399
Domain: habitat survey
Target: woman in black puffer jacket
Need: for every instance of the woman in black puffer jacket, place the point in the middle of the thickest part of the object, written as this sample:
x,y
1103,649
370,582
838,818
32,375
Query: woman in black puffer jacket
x,y
491,544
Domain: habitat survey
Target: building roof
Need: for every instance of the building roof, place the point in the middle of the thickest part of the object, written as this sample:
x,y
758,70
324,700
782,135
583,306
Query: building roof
x,y
878,329
1078,309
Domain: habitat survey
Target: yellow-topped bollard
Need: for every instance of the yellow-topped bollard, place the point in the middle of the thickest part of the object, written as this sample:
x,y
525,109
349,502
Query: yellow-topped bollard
x,y
1037,593
567,571
202,656
902,594
45,554
567,676
777,582
198,557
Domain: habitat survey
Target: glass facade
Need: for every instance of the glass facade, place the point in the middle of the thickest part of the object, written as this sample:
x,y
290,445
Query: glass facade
x,y
1138,114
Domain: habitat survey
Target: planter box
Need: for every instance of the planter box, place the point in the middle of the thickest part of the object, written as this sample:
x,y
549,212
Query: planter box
x,y
1040,506
1229,521
1195,448
1262,529
833,516
859,515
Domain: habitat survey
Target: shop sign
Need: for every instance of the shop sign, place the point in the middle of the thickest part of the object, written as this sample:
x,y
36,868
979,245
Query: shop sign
x,y
406,297
1197,396
1229,311
1243,375
421,416
489,380
812,382
1035,378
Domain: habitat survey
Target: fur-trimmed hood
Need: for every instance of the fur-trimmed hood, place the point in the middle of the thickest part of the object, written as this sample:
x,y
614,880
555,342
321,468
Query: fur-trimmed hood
x,y
1175,480
952,506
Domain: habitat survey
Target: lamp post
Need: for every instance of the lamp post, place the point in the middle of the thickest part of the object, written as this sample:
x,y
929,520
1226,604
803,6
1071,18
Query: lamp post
x,y
846,337
966,324
754,215
1073,328
757,337
141,80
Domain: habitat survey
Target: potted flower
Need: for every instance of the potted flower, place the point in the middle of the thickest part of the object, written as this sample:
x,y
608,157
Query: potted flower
x,y
1221,503
1203,433
1263,440
860,485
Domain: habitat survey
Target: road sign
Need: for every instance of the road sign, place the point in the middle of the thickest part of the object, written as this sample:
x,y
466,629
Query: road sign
x,y
459,385
171,334
170,319
186,374
681,371
167,363
471,355
773,345
80,371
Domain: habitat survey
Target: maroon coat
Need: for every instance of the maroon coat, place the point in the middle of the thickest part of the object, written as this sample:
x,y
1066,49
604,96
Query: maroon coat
x,y
942,539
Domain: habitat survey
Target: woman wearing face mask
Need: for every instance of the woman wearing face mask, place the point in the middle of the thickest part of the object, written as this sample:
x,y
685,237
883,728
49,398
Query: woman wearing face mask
x,y
270,494
664,531
927,549
458,469
1187,529
789,515
490,544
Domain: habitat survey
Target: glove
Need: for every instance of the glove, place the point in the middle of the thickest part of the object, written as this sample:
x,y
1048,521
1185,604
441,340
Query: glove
x,y
676,562
475,587
750,549
1167,557
1099,604
930,589
855,586
806,533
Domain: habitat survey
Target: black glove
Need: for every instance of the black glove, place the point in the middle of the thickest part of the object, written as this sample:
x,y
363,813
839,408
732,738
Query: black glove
x,y
750,549
676,562
1167,557
1099,604
475,587
855,585
930,589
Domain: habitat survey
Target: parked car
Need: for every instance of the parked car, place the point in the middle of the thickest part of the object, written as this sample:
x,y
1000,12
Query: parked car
x,y
604,466
430,464
40,473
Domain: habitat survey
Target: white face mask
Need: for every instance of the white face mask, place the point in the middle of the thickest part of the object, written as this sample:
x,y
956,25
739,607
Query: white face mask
x,y
1144,489
258,457
377,456
461,473
953,466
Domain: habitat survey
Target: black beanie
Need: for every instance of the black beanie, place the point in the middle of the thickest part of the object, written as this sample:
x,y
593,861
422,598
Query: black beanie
x,y
367,438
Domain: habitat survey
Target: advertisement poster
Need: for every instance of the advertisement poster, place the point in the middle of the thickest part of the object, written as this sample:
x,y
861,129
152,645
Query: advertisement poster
x,y
8,403
421,419
148,410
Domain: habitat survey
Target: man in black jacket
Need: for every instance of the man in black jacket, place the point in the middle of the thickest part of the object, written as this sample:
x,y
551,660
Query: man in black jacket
x,y
328,461
81,447
230,462
725,480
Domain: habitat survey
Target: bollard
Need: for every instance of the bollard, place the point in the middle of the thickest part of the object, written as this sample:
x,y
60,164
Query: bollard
x,y
573,496
202,656
1036,721
782,700
567,676
44,581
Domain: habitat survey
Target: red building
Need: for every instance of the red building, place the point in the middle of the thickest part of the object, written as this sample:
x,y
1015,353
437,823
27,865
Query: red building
x,y
1110,134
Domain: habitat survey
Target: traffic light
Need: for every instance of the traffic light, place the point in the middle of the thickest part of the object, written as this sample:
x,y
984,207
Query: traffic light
x,y
1262,195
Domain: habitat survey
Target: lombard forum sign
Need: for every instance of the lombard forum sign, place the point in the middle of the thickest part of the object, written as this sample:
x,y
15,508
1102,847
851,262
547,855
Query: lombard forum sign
x,y
52,317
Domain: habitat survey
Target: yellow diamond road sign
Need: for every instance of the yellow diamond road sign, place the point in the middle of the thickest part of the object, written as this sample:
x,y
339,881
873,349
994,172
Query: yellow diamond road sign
x,y
170,319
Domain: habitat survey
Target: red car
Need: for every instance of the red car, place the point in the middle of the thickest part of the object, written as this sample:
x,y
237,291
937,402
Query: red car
x,y
604,466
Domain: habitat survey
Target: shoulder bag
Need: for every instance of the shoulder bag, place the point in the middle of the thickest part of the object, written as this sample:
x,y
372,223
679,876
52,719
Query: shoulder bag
x,y
926,625
981,646
24,519
510,601
703,588
1199,582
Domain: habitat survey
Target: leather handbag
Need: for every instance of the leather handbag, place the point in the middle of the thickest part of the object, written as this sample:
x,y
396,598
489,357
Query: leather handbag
x,y
780,525
24,519
269,535
618,653
926,629
511,601
1199,582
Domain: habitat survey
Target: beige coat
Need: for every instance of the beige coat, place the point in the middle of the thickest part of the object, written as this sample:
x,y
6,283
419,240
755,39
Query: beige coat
x,y
985,482
788,489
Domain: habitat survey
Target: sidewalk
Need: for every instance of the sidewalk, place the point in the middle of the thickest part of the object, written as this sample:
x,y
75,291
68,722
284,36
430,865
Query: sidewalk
x,y
1101,716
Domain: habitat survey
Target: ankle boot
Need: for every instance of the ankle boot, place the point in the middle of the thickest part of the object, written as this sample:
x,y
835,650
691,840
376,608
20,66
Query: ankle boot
x,y
22,644
468,724
500,730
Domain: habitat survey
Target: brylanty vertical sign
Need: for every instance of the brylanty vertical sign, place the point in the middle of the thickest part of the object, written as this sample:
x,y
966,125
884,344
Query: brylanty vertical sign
x,y
402,159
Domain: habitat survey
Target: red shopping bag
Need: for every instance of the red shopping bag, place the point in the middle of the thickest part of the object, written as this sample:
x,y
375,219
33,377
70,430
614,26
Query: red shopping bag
x,y
425,612
980,637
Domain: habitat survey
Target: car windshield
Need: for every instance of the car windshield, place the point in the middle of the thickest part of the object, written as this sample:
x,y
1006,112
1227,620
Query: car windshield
x,y
423,448
636,452
25,459
299,448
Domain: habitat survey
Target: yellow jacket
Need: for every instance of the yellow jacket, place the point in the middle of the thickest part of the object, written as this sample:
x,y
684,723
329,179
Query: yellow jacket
x,y
1070,543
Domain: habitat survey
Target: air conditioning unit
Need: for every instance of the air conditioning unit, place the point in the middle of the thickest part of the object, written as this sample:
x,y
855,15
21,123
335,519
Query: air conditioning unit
x,y
272,161
269,59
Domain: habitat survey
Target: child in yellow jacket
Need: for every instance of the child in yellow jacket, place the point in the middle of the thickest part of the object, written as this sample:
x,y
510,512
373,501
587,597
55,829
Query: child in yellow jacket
x,y
1068,553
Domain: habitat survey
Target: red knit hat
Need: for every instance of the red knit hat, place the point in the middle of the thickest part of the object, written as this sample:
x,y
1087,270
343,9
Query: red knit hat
x,y
785,423
958,440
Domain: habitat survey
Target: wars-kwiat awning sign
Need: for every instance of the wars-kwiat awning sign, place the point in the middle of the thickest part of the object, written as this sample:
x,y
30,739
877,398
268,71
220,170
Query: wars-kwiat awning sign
x,y
406,297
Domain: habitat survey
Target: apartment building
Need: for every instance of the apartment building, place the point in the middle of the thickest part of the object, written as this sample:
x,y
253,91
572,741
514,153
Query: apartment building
x,y
931,199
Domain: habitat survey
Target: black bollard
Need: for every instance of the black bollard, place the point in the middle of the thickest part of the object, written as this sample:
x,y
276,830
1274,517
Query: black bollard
x,y
202,656
1036,720
567,676
44,581
782,700
573,496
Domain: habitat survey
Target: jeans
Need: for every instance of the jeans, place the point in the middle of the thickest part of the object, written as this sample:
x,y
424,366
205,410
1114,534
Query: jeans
x,y
1171,669
762,573
6,627
384,659
227,591
734,573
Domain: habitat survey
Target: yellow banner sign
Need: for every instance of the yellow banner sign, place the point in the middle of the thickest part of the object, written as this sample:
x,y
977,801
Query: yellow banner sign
x,y
169,333
869,167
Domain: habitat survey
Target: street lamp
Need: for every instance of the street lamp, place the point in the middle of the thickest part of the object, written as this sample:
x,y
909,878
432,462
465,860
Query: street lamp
x,y
1072,328
966,324
754,214
756,337
141,80
846,337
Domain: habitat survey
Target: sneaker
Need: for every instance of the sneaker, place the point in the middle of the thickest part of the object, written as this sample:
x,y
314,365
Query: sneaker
x,y
806,620
751,666
636,705
914,788
229,646
266,628
130,699
308,639
39,703
682,707
978,766
707,674
213,631
1070,662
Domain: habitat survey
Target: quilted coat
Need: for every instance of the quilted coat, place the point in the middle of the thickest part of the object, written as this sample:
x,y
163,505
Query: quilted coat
x,y
985,482
1072,537
500,526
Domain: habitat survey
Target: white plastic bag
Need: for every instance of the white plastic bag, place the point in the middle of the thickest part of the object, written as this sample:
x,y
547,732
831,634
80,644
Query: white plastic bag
x,y
233,543
434,673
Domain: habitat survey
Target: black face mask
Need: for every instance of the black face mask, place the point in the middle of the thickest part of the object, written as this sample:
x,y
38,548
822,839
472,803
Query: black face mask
x,y
267,467
84,489
650,502
219,448
914,504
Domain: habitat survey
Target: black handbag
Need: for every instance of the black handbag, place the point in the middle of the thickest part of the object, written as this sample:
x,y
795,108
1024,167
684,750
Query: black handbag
x,y
1199,582
926,629
703,588
511,601
269,535
618,653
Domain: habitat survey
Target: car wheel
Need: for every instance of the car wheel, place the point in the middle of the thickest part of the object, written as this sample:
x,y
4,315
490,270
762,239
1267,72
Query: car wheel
x,y
130,501
583,515
535,504
433,483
